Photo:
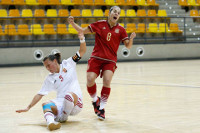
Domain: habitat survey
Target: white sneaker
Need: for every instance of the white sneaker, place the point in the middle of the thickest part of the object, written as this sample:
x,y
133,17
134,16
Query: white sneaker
x,y
54,125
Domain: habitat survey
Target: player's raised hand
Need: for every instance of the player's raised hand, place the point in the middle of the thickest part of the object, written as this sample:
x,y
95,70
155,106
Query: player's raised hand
x,y
133,35
22,110
71,19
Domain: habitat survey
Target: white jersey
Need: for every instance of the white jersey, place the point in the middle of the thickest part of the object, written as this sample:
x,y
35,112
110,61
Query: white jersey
x,y
64,81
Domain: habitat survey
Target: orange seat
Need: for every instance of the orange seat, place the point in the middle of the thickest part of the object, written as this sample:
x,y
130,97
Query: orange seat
x,y
49,29
75,13
19,2
151,13
39,13
106,13
88,2
63,13
54,2
23,30
198,2
152,3
131,3
10,30
182,2
130,28
141,13
1,31
43,2
14,13
121,2
62,29
6,2
77,2
141,28
99,2
174,28
194,13
84,25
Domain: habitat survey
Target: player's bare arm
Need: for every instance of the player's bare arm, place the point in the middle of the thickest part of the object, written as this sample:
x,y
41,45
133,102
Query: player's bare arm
x,y
82,49
129,43
78,28
35,100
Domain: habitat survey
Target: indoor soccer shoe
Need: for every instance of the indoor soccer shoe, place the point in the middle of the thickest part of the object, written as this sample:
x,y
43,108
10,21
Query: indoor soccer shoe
x,y
54,126
101,114
96,105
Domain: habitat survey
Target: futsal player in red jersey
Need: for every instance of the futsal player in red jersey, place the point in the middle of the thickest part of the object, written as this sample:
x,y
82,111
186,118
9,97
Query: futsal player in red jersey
x,y
103,59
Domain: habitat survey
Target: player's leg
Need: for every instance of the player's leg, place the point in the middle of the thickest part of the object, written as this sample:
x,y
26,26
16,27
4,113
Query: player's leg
x,y
92,73
77,108
50,110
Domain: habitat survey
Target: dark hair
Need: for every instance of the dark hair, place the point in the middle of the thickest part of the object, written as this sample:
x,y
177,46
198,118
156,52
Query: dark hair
x,y
113,8
51,57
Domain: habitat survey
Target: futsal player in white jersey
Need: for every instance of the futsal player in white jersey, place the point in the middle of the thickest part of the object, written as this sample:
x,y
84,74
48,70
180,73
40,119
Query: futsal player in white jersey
x,y
63,80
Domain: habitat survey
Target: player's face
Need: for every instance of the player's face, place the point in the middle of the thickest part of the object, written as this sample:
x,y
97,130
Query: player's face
x,y
51,66
114,15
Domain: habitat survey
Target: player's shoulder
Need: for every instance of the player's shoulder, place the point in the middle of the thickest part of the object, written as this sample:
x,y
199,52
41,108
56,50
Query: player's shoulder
x,y
120,26
102,21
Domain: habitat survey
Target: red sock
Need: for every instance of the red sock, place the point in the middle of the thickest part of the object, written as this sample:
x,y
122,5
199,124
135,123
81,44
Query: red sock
x,y
105,92
92,90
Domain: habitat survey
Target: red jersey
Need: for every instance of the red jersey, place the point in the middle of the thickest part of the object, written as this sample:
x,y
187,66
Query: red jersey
x,y
107,40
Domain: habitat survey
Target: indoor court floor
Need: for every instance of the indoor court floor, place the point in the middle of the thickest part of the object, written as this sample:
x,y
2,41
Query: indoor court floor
x,y
146,97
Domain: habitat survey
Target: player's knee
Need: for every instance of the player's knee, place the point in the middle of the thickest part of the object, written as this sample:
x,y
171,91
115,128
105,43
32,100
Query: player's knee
x,y
47,106
106,82
69,97
90,79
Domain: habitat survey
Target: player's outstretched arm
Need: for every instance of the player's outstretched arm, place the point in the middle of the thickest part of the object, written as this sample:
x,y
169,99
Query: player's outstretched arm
x,y
78,28
129,43
35,100
82,49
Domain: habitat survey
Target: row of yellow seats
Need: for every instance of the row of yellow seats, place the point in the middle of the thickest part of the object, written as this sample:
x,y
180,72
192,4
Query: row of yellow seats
x,y
189,2
194,13
153,28
80,2
77,13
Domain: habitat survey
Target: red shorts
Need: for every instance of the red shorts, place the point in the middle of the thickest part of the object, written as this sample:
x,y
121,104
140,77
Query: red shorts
x,y
98,66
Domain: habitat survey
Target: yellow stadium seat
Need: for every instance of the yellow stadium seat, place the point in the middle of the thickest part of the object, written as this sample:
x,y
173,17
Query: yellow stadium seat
x,y
52,13
62,29
130,28
1,31
88,2
31,2
120,2
75,13
99,2
66,2
153,28
174,28
192,2
23,30
63,13
198,2
162,13
6,2
122,24
71,29
182,2
84,25
141,13
141,28
49,29
43,2
27,13
106,13
19,2
122,13
131,3
54,2
10,30
39,13
151,13
86,13
36,29
110,2
98,13
3,13
141,2
14,13
163,27
130,13
194,13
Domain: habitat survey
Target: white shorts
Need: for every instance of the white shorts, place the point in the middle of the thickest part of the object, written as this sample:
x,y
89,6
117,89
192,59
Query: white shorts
x,y
59,103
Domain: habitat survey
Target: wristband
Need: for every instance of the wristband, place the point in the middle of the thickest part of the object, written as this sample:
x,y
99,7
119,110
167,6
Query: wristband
x,y
83,40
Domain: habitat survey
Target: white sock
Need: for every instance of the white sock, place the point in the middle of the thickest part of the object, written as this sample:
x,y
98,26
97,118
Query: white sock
x,y
95,98
68,105
102,105
49,117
